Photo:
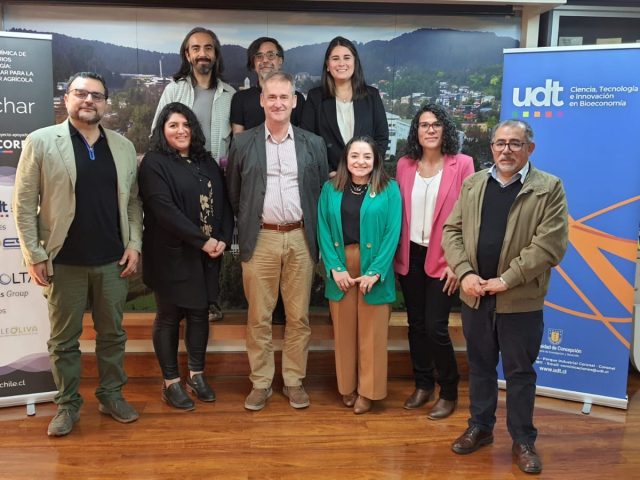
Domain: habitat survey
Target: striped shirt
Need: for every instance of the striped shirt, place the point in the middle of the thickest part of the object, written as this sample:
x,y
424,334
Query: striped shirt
x,y
282,197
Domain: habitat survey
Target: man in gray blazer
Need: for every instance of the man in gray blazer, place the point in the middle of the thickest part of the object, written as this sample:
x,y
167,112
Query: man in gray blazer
x,y
274,177
79,220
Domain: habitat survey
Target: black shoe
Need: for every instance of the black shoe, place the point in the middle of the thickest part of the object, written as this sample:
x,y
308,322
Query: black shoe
x,y
526,458
198,385
418,398
442,409
215,313
471,440
175,396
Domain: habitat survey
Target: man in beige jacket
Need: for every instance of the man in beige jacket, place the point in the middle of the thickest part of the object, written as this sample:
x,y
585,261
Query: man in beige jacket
x,y
507,230
79,220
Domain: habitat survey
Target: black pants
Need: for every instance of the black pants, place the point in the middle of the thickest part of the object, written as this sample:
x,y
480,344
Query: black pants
x,y
428,315
517,337
166,328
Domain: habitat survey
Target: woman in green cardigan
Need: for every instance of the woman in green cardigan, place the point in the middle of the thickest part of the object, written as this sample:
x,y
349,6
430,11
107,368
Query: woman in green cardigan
x,y
359,217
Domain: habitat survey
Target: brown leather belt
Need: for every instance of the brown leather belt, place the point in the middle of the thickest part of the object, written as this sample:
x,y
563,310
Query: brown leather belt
x,y
283,227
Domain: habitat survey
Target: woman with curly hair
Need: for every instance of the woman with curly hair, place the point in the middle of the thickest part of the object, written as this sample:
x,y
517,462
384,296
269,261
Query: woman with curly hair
x,y
430,176
187,226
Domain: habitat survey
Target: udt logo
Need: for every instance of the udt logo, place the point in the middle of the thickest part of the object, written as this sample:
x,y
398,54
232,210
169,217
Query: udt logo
x,y
540,96
4,209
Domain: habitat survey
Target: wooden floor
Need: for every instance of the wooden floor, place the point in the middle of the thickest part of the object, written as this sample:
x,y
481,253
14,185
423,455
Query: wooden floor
x,y
325,441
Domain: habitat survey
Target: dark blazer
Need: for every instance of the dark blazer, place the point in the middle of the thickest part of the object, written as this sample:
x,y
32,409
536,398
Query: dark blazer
x,y
319,116
247,182
174,265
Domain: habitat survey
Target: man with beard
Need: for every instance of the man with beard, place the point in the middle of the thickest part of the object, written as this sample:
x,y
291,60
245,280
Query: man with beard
x,y
199,86
264,56
79,220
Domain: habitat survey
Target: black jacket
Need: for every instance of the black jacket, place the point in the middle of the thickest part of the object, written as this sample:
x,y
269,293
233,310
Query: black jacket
x,y
174,265
319,116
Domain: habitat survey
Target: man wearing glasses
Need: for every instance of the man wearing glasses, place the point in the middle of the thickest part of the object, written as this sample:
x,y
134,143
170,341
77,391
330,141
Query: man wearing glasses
x,y
79,220
505,233
264,56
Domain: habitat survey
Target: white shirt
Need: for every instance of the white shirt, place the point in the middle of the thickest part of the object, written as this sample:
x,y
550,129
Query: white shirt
x,y
423,205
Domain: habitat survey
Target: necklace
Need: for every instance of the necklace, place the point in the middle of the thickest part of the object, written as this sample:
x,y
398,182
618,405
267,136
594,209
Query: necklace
x,y
430,180
427,183
357,189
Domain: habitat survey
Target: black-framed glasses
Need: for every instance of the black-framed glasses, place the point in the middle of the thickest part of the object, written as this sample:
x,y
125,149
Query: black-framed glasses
x,y
83,94
514,145
434,125
268,55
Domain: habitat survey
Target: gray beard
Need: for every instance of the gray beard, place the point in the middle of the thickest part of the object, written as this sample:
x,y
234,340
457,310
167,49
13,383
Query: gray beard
x,y
204,69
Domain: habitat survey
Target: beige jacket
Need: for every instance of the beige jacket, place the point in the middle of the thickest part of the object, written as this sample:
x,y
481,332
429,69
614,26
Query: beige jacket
x,y
44,200
535,239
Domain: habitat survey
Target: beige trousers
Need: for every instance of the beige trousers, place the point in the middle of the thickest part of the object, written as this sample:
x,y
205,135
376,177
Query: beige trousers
x,y
360,331
281,260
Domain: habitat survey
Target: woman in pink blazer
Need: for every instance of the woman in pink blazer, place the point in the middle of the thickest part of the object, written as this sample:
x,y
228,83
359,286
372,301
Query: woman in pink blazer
x,y
430,176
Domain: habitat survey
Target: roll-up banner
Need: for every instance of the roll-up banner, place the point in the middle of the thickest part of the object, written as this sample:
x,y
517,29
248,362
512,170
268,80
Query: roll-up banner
x,y
583,104
26,104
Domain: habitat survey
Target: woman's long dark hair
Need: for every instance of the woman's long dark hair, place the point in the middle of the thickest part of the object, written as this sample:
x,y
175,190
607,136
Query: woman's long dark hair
x,y
185,67
379,177
450,141
358,85
158,141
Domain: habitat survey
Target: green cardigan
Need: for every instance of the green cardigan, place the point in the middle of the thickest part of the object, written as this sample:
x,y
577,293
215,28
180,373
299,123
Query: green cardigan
x,y
380,217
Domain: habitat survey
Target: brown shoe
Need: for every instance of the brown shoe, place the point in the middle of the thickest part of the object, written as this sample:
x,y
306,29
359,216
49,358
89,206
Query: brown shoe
x,y
257,399
442,409
418,398
362,405
471,440
350,399
298,398
526,458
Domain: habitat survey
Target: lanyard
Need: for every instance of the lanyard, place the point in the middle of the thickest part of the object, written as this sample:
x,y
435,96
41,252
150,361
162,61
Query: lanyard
x,y
92,153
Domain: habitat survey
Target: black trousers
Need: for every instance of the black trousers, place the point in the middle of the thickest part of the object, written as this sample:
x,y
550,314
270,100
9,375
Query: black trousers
x,y
517,337
428,310
166,331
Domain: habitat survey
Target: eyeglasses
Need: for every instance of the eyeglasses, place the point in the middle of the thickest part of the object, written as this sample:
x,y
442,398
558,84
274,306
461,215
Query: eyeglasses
x,y
434,125
260,56
83,94
514,145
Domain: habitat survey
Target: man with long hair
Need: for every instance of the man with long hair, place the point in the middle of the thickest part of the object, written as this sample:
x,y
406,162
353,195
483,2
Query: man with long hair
x,y
198,84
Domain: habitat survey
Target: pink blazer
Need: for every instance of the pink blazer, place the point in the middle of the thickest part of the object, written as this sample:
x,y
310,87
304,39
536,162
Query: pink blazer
x,y
456,169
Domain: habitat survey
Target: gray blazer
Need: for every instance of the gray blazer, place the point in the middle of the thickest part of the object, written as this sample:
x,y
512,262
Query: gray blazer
x,y
247,182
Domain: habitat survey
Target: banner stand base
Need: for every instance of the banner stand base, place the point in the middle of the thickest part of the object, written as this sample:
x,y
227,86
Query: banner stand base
x,y
29,399
585,398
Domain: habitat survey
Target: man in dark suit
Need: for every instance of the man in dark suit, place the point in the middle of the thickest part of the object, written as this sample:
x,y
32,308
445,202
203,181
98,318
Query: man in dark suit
x,y
274,177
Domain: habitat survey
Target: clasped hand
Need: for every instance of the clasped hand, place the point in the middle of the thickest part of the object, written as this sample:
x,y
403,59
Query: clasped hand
x,y
345,281
214,248
476,286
